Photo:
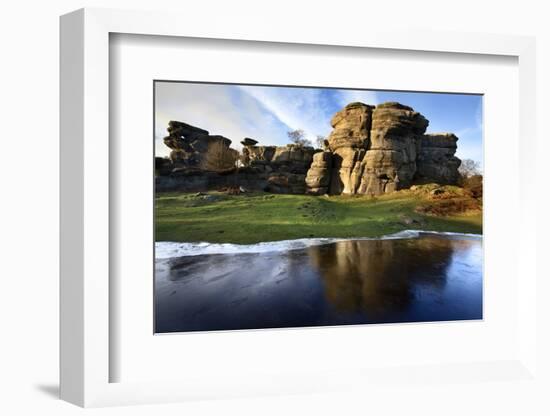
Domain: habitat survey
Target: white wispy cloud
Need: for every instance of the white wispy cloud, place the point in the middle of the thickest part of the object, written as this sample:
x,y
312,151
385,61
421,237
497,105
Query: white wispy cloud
x,y
213,108
297,108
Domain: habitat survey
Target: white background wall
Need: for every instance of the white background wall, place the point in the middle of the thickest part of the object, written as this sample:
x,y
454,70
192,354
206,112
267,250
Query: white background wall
x,y
29,58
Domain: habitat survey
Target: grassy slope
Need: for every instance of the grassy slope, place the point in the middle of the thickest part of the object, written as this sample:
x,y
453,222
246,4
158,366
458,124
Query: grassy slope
x,y
252,218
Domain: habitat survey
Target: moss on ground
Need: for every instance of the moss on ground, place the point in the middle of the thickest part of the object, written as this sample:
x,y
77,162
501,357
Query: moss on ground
x,y
254,217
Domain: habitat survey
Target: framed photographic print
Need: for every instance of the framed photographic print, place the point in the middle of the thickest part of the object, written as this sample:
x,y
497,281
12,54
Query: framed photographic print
x,y
351,213
289,220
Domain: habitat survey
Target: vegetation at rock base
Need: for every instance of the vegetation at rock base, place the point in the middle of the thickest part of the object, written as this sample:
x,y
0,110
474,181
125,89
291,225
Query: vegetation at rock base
x,y
256,216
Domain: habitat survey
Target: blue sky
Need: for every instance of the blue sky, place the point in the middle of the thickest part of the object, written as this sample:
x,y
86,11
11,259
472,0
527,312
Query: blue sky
x,y
266,113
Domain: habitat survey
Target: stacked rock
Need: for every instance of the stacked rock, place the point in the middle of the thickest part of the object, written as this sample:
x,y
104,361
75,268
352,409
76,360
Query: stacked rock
x,y
348,143
318,175
437,161
375,150
390,162
189,144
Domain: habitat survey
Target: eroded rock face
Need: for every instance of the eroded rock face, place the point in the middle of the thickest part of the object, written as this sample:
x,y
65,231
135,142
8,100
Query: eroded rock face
x,y
318,175
375,150
278,169
351,127
290,158
189,144
345,174
390,162
436,160
348,143
371,150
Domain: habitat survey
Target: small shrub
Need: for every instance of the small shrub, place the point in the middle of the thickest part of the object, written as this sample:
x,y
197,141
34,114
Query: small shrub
x,y
474,184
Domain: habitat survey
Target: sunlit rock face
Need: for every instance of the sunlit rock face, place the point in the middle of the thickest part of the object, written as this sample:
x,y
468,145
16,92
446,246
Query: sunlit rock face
x,y
390,162
371,150
348,143
376,150
318,175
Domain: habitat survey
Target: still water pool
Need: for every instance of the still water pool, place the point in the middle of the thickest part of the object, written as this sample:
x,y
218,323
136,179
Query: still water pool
x,y
410,277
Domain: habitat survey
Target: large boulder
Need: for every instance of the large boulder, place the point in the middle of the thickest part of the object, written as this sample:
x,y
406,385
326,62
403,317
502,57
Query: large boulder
x,y
247,141
292,158
346,162
284,167
347,142
351,127
261,153
318,175
191,144
374,150
390,162
436,159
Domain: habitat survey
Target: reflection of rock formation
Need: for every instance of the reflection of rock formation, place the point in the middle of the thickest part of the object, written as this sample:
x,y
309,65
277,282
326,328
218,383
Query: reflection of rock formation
x,y
381,149
378,276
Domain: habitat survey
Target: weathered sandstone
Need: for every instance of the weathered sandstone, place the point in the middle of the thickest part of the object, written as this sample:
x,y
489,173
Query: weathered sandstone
x,y
371,150
436,160
375,150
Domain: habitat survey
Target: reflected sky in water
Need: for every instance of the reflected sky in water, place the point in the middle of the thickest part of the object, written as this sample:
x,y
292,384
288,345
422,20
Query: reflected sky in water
x,y
429,278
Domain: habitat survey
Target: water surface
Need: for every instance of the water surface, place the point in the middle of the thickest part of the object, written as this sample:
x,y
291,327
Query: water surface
x,y
409,277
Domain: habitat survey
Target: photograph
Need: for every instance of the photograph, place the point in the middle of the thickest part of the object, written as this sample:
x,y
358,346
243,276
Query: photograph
x,y
298,206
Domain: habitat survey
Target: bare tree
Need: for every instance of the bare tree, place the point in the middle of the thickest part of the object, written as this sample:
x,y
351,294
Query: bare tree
x,y
297,137
469,168
219,157
320,141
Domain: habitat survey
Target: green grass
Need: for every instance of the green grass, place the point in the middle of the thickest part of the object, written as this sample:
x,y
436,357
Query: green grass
x,y
255,217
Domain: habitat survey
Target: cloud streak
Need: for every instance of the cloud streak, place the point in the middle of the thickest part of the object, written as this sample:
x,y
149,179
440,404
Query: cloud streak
x,y
296,108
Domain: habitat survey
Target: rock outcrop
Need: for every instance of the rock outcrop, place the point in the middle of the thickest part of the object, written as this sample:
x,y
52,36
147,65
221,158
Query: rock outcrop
x,y
348,143
375,150
390,161
436,160
285,167
190,144
371,150
278,169
318,175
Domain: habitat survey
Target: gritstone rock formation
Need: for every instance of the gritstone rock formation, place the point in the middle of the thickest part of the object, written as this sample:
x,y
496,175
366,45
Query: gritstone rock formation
x,y
371,150
278,169
190,144
285,167
436,160
375,150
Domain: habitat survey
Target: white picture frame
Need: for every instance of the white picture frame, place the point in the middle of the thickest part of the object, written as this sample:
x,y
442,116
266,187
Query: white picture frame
x,y
85,207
